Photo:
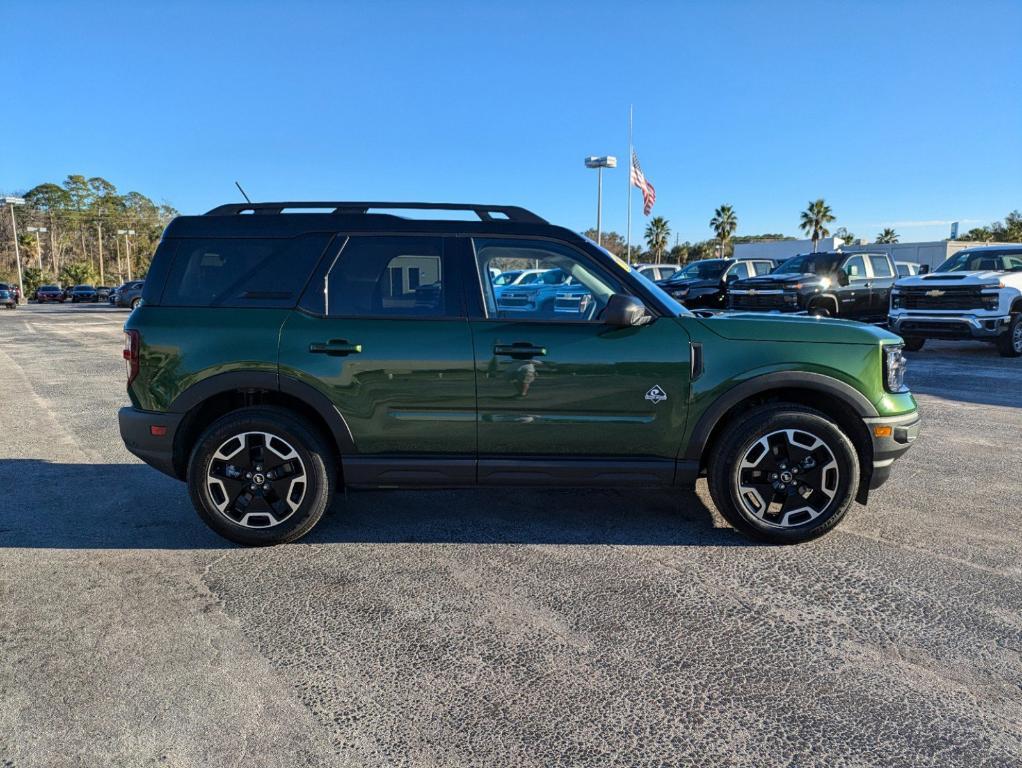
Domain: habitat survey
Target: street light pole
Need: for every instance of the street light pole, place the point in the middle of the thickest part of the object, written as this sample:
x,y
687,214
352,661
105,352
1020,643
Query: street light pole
x,y
38,243
599,163
11,202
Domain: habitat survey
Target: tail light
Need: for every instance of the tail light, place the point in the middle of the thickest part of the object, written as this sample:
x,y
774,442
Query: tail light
x,y
131,344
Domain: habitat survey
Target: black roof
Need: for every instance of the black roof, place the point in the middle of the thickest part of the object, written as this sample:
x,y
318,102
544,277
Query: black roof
x,y
287,219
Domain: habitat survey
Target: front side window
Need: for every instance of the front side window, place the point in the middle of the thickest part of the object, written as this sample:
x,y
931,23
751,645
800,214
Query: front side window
x,y
390,277
740,270
763,267
855,268
563,284
881,266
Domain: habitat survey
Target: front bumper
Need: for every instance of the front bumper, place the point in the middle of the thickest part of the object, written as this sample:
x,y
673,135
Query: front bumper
x,y
892,437
938,326
155,450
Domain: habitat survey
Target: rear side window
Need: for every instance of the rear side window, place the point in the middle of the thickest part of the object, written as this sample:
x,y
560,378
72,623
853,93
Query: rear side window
x,y
391,276
881,266
241,272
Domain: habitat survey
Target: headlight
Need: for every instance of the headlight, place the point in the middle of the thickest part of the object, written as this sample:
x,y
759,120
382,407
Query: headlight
x,y
894,368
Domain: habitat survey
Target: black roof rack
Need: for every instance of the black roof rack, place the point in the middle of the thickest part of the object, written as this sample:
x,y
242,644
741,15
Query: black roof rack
x,y
484,212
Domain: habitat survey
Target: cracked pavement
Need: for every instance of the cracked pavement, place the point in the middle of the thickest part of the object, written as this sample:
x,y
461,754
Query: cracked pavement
x,y
482,628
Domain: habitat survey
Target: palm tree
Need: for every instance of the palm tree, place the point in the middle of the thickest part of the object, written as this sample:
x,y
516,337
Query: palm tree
x,y
815,219
724,223
887,235
657,234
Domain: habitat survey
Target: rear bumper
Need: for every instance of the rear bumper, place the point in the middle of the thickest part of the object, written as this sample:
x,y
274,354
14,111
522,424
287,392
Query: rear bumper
x,y
904,430
155,450
934,326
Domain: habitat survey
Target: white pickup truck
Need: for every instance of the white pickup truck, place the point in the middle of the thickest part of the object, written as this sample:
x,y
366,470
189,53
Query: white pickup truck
x,y
976,294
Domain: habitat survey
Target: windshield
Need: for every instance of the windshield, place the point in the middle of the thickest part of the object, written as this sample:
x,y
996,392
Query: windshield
x,y
983,261
708,269
809,263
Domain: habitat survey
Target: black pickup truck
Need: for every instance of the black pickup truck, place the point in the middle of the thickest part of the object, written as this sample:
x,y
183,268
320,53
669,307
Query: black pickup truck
x,y
829,284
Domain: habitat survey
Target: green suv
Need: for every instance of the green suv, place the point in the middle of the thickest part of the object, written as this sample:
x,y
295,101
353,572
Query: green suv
x,y
283,350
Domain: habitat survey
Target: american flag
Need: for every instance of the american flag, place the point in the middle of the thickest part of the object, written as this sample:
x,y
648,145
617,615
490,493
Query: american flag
x,y
639,180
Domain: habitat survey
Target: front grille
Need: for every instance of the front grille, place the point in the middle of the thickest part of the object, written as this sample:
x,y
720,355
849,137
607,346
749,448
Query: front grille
x,y
951,297
758,301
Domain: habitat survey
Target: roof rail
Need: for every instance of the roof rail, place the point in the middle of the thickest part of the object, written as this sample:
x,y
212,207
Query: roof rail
x,y
484,212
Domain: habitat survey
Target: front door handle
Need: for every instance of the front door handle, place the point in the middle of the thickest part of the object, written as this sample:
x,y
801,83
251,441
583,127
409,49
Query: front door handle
x,y
335,347
520,350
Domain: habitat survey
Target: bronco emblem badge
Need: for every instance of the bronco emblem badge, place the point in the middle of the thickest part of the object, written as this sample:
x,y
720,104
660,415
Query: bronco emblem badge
x,y
656,395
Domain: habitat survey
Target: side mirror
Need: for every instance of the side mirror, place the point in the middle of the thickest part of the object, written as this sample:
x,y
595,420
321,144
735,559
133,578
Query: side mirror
x,y
924,269
842,277
623,311
730,278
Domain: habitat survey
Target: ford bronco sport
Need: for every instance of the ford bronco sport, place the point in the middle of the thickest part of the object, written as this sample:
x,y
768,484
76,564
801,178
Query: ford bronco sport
x,y
277,356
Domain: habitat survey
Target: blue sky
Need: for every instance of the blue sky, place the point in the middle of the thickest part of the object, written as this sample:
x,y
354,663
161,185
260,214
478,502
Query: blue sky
x,y
898,113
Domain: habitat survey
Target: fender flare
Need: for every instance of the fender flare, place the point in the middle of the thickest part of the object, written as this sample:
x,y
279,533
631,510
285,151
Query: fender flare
x,y
818,382
234,381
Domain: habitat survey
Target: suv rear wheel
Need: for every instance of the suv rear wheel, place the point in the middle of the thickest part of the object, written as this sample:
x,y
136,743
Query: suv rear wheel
x,y
260,476
784,473
1009,344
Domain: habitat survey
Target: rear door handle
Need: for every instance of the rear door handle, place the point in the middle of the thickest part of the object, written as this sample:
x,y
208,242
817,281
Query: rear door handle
x,y
520,350
335,347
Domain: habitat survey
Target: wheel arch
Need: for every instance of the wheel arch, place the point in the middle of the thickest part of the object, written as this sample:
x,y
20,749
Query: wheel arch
x,y
844,404
211,398
825,297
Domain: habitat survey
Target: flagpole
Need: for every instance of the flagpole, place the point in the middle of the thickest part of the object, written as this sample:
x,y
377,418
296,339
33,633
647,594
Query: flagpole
x,y
628,239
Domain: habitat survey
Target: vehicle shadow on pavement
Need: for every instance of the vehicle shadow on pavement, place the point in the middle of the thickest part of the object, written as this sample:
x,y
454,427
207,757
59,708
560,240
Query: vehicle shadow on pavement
x,y
131,506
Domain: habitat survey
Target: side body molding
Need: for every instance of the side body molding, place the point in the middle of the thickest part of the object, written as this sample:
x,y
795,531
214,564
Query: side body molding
x,y
240,381
827,385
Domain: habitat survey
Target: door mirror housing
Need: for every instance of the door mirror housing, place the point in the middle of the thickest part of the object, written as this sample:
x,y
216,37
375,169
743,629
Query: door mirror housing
x,y
623,311
730,277
924,269
842,277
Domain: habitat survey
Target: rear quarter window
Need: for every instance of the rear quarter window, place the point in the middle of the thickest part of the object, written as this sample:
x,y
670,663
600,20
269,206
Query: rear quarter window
x,y
240,272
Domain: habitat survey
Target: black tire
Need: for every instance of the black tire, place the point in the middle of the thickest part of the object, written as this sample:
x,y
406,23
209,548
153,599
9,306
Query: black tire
x,y
821,309
914,343
839,482
1009,343
136,301
225,512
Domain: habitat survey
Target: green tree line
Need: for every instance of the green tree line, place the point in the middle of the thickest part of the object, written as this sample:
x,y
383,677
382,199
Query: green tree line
x,y
68,233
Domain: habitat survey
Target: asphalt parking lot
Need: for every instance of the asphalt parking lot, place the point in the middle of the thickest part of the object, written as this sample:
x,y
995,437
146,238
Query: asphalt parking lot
x,y
513,629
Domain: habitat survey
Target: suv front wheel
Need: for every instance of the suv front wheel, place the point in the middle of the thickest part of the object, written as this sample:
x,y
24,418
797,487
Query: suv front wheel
x,y
261,476
783,473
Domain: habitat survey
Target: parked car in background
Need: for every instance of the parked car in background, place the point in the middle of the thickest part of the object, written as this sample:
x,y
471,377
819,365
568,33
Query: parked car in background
x,y
828,284
68,290
976,294
47,293
127,294
103,292
82,293
704,284
12,289
655,272
7,299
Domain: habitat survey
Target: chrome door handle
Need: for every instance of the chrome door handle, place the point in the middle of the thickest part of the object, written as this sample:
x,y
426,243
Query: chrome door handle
x,y
335,347
520,350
